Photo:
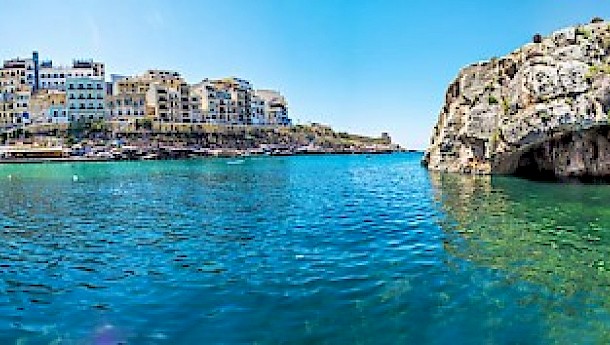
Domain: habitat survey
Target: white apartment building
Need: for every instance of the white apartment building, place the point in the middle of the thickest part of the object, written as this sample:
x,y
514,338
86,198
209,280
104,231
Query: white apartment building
x,y
215,103
275,107
86,99
54,77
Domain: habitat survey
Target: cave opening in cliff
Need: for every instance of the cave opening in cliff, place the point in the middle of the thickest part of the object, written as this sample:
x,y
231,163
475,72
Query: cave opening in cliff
x,y
579,156
529,167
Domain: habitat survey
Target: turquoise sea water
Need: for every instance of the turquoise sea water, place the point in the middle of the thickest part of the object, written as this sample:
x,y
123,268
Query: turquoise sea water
x,y
298,250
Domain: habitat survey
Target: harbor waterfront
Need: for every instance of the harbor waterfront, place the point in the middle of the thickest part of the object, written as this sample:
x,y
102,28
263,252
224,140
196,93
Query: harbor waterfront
x,y
105,142
299,249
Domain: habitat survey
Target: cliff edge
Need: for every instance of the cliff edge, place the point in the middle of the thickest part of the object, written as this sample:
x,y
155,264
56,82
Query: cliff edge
x,y
542,110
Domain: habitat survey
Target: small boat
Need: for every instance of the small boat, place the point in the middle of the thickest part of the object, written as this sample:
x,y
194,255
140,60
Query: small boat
x,y
104,155
236,162
281,153
151,156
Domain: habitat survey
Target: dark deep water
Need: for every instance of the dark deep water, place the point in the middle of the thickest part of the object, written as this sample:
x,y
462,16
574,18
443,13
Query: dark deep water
x,y
299,250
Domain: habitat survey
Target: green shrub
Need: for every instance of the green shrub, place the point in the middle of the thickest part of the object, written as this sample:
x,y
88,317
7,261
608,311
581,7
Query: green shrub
x,y
492,100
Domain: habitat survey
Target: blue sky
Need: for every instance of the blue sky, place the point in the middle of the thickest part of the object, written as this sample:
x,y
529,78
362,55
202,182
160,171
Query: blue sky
x,y
360,66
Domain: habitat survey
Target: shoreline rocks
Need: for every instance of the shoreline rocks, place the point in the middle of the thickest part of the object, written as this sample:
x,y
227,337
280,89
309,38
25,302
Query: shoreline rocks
x,y
496,111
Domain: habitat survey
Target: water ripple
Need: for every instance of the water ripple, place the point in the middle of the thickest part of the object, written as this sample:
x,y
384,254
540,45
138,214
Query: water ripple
x,y
299,250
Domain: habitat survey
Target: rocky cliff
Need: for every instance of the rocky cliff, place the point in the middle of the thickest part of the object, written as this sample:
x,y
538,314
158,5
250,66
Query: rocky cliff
x,y
541,110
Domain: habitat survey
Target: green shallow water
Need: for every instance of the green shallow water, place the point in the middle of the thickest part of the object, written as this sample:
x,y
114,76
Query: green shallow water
x,y
298,250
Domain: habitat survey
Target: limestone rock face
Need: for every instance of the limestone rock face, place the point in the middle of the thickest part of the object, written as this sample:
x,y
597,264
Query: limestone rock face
x,y
497,111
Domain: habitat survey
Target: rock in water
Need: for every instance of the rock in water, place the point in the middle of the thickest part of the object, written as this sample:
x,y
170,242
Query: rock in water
x,y
541,110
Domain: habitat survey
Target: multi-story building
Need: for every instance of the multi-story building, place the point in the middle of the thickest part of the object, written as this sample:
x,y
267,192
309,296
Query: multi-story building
x,y
275,107
232,101
215,103
41,93
226,101
257,110
54,77
125,107
131,85
86,99
167,104
21,103
14,108
168,97
6,113
240,92
19,74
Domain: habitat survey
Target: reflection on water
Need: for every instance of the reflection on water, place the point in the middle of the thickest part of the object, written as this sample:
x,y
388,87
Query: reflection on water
x,y
298,250
554,236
